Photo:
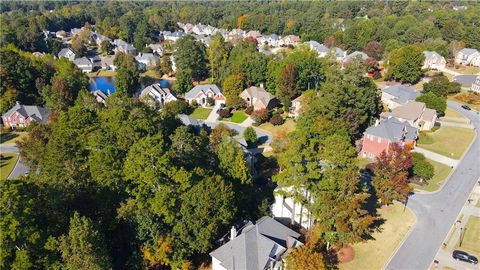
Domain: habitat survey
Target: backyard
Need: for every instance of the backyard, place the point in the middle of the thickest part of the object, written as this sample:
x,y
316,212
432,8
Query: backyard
x,y
448,141
237,117
7,162
374,254
470,237
441,173
200,113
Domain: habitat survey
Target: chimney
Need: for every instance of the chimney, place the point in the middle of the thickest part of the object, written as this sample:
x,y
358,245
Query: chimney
x,y
233,233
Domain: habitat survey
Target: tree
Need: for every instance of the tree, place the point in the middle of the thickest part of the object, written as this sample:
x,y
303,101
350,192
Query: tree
x,y
80,41
106,47
233,85
373,68
373,49
127,80
390,171
83,246
287,85
250,135
231,157
305,258
190,54
441,87
166,65
260,116
33,146
433,101
184,81
217,56
421,167
405,64
329,42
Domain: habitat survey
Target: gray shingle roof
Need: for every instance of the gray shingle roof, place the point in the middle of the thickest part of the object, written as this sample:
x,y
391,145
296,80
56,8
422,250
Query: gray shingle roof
x,y
393,130
188,121
202,88
64,52
429,54
363,56
317,46
402,93
257,246
84,61
468,51
37,113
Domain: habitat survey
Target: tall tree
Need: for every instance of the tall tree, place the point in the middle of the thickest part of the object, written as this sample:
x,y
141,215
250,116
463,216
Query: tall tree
x,y
434,102
217,56
191,54
373,49
184,81
287,85
127,80
441,86
405,64
233,85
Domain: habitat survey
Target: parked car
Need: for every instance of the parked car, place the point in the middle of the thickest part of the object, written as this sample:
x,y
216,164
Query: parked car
x,y
464,256
466,107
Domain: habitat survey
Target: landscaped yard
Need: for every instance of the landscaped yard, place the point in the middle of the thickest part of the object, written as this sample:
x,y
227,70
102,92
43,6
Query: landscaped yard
x,y
12,137
363,162
466,70
237,117
287,127
471,237
200,113
451,113
441,173
7,164
448,141
373,254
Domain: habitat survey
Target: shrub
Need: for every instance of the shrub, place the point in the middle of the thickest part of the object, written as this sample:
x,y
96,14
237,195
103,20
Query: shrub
x,y
276,120
224,113
421,167
260,116
176,107
194,103
280,111
250,136
249,110
236,102
210,101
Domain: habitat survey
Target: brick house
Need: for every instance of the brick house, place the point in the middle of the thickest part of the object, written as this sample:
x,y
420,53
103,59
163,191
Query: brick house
x,y
22,115
259,98
378,138
200,93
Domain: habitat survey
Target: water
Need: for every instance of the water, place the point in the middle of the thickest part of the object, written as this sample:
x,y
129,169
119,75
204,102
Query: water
x,y
107,84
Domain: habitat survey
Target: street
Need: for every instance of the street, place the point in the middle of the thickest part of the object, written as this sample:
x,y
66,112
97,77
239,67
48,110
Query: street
x,y
437,212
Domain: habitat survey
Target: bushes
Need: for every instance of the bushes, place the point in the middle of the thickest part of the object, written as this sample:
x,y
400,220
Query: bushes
x,y
421,167
276,120
260,116
224,113
249,110
194,103
177,107
250,136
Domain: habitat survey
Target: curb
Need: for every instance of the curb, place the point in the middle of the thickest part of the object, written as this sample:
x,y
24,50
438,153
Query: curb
x,y
16,164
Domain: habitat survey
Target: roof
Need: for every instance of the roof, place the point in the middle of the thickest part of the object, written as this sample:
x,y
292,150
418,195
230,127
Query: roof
x,y
202,88
63,52
429,54
188,121
402,93
157,91
468,51
260,94
393,130
257,245
108,60
84,61
145,56
37,113
337,52
412,110
363,55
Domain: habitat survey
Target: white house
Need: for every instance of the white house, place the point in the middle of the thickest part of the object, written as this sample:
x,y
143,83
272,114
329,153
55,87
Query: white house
x,y
476,85
107,63
200,93
167,35
321,49
292,40
468,56
67,53
356,54
147,60
157,49
122,46
433,60
157,96
84,64
285,207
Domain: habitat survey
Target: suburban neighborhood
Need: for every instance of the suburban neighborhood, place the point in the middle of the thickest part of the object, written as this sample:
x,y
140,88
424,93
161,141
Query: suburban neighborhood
x,y
240,135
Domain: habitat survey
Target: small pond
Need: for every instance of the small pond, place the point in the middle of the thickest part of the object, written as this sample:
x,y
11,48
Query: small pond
x,y
107,84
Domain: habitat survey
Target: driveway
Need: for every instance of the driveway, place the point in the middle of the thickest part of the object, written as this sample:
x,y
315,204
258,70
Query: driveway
x,y
213,116
436,212
263,137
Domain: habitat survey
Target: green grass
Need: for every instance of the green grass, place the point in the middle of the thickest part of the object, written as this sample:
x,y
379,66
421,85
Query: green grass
x,y
7,164
373,254
441,173
11,137
448,141
200,113
152,74
471,237
237,117
451,113
363,162
287,127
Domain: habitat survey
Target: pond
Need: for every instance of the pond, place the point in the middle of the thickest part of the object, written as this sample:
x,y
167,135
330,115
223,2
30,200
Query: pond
x,y
107,84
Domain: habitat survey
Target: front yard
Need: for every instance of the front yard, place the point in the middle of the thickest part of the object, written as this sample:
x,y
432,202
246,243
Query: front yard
x,y
470,237
441,173
448,141
287,127
375,253
237,117
11,137
6,164
200,113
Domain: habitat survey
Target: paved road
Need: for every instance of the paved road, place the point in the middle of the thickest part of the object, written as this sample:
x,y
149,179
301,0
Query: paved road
x,y
263,137
20,168
437,212
8,148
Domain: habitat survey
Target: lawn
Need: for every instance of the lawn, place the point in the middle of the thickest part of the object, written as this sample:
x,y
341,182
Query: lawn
x,y
471,237
102,73
152,74
287,127
200,113
441,173
363,162
7,164
374,254
466,70
11,137
448,141
451,113
237,117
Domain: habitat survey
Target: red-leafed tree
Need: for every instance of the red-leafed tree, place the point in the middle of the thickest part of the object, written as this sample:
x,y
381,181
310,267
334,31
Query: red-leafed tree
x,y
329,42
373,67
391,174
373,49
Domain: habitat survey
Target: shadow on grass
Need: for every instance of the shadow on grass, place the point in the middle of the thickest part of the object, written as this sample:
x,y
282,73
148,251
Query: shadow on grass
x,y
7,137
4,161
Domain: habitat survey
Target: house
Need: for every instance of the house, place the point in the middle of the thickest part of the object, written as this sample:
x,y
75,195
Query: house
x,y
158,96
100,38
476,85
75,31
290,211
378,138
147,60
399,94
157,49
172,60
23,115
189,121
272,40
339,53
67,53
106,63
433,60
186,27
253,34
321,49
84,64
259,98
256,246
100,97
356,54
415,113
468,56
199,29
202,92
61,34
167,35
294,110
122,46
292,40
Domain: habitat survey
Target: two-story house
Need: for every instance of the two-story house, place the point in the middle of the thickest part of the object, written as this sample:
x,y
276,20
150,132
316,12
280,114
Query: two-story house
x,y
433,60
468,56
202,92
156,96
415,113
259,98
23,115
399,94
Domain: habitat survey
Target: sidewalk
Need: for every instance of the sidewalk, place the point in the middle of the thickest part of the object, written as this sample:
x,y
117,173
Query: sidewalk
x,y
436,157
453,124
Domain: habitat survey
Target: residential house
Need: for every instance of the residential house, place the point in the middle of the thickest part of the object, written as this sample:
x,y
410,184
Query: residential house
x,y
61,34
259,98
147,60
96,61
122,46
202,92
67,53
415,113
356,54
256,246
290,40
107,63
186,27
199,29
253,34
321,49
190,122
290,211
157,96
272,40
157,49
84,64
23,115
100,38
476,85
379,137
167,35
236,35
100,97
75,31
468,56
433,60
294,110
174,66
399,94
339,53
